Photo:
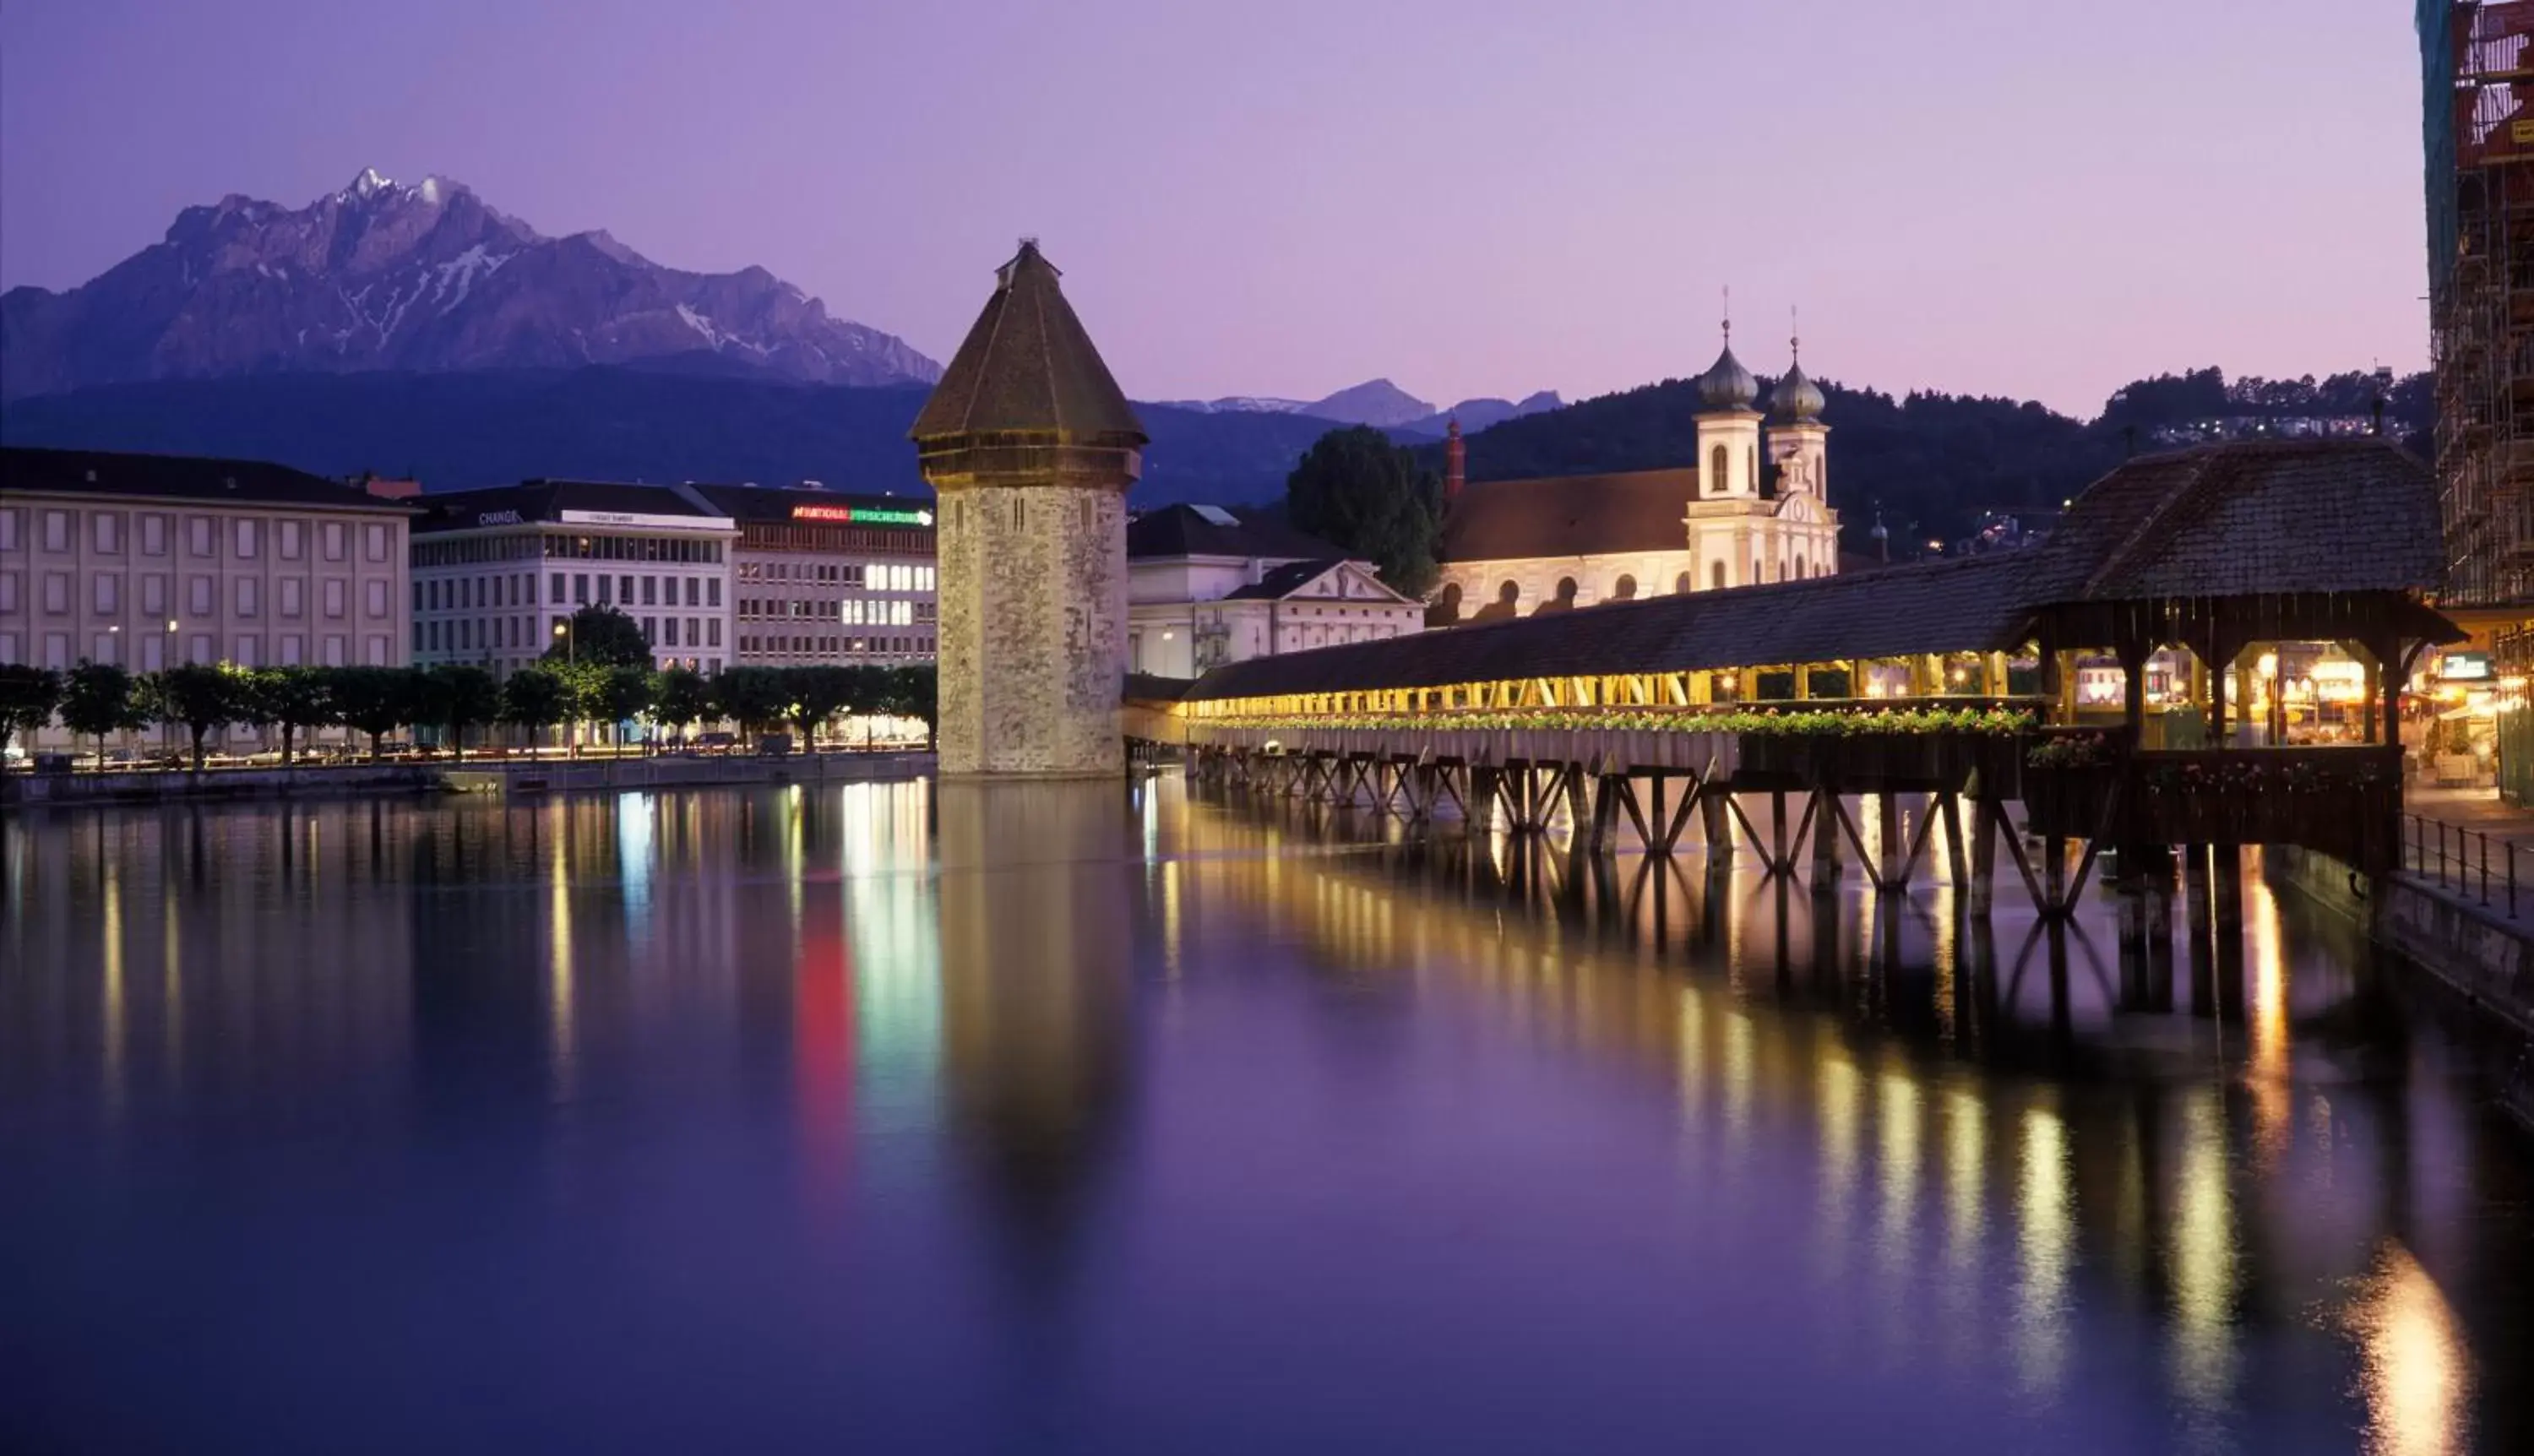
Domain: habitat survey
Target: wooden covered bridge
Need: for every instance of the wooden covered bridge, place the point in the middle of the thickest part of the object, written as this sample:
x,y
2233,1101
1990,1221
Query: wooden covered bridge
x,y
1946,691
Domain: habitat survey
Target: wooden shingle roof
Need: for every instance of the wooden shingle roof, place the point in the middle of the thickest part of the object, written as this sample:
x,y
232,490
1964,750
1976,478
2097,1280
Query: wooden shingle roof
x,y
1028,367
2223,520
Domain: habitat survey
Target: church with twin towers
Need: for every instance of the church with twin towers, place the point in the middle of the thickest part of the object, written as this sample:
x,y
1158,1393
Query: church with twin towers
x,y
1752,506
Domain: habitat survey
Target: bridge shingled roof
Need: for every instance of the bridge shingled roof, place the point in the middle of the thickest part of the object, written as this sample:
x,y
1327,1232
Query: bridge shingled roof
x,y
2227,519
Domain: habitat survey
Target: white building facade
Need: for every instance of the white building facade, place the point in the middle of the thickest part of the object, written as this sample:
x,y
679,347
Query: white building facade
x,y
1207,586
498,574
1521,547
149,560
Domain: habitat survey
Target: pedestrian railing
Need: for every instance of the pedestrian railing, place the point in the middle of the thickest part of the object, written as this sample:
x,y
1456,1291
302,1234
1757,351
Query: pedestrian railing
x,y
2469,862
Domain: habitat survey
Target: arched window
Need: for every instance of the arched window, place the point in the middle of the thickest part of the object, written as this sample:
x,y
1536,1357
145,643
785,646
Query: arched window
x,y
1623,589
1682,586
1800,566
1715,575
1715,467
1752,458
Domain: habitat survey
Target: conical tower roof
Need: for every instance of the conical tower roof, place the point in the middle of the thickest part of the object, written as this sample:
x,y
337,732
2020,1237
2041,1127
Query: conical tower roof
x,y
1028,367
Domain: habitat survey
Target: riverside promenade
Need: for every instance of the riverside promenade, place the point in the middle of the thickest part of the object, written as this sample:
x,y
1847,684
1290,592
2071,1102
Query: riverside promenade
x,y
511,777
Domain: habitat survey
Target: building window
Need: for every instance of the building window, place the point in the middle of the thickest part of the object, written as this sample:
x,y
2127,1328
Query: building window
x,y
7,527
1715,466
245,542
376,598
334,598
293,647
712,632
1751,461
554,587
580,587
291,602
245,593
330,541
8,600
1715,575
105,533
200,595
107,594
292,545
374,541
58,536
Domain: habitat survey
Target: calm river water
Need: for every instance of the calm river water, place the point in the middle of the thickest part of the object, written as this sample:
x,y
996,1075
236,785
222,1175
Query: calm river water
x,y
903,1118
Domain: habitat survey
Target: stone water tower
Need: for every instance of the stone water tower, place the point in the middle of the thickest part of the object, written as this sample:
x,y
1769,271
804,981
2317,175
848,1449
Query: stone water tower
x,y
1030,445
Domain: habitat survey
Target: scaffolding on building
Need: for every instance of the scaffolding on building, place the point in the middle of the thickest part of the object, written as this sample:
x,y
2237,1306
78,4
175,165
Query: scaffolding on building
x,y
2479,137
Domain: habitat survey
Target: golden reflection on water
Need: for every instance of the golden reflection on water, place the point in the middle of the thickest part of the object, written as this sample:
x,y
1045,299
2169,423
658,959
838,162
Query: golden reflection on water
x,y
2046,1234
2268,1075
561,1040
2417,1372
2204,1264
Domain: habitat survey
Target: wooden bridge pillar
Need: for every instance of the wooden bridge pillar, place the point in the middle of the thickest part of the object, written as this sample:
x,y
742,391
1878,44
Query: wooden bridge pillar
x,y
1826,866
1888,843
1988,820
2228,877
2195,907
1715,816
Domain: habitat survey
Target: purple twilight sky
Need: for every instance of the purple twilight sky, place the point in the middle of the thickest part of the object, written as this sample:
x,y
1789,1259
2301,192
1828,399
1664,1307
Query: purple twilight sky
x,y
2037,198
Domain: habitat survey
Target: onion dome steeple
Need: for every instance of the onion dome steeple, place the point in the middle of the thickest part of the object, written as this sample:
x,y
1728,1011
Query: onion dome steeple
x,y
1726,384
1796,399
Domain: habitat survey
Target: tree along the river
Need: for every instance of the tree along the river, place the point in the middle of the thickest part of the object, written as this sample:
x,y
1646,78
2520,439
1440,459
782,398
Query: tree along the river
x,y
1360,491
680,696
464,696
819,694
753,697
28,698
291,698
613,696
98,698
600,636
198,697
375,701
535,698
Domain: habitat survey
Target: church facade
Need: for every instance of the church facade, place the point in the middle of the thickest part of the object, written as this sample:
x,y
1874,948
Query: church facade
x,y
1521,547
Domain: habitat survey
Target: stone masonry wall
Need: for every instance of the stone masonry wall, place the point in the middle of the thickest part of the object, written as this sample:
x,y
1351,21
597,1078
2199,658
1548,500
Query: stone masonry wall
x,y
1033,631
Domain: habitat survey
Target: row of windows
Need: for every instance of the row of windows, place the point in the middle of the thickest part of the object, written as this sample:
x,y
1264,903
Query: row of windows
x,y
461,593
476,549
876,577
831,645
491,634
107,598
635,548
856,612
800,536
155,534
151,652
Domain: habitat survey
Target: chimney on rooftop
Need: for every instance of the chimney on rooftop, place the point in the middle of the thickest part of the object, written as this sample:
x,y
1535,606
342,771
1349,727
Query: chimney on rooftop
x,y
1456,462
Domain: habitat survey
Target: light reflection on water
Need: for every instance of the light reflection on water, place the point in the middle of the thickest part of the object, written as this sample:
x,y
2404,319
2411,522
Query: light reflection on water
x,y
1036,1118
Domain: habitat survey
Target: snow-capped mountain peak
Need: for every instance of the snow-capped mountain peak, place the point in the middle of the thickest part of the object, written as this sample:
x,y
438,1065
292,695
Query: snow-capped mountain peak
x,y
417,276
